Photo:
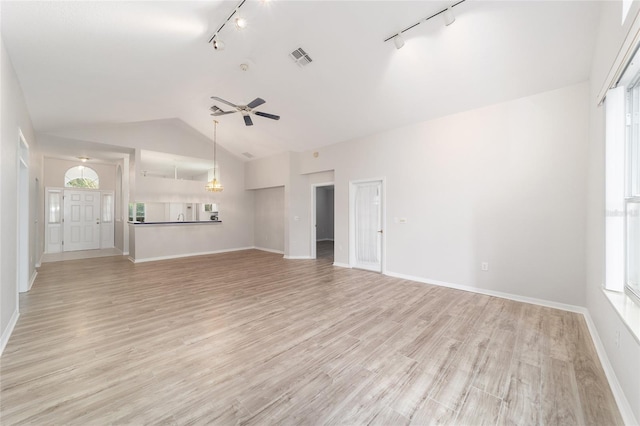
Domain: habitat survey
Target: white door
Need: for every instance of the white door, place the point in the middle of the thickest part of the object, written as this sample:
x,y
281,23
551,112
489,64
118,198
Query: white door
x,y
367,232
81,220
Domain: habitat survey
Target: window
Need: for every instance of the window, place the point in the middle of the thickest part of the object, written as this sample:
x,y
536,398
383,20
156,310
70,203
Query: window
x,y
54,207
107,207
632,189
81,177
138,209
623,183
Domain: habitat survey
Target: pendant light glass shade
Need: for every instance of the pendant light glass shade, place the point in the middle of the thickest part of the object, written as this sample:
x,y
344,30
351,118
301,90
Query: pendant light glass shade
x,y
214,185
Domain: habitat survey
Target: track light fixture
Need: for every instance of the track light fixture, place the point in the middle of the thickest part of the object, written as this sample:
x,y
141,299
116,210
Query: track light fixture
x,y
217,43
398,41
240,22
447,15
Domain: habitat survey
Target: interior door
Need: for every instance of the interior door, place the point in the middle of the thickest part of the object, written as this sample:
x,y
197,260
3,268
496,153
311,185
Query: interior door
x,y
367,225
81,220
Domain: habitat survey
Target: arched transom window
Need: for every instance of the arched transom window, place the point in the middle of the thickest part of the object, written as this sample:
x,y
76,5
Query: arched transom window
x,y
81,177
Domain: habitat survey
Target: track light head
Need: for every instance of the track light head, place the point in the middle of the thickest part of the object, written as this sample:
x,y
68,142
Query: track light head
x,y
241,22
398,41
448,17
218,44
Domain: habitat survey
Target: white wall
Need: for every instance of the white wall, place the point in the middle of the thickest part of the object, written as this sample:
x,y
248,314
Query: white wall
x,y
624,359
55,168
14,118
269,219
503,184
268,172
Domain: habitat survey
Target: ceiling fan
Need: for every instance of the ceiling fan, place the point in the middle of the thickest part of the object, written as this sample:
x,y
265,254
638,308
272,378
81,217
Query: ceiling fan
x,y
246,110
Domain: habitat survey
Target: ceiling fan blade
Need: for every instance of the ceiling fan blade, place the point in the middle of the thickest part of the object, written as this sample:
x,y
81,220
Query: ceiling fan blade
x,y
256,102
247,120
267,115
218,111
224,102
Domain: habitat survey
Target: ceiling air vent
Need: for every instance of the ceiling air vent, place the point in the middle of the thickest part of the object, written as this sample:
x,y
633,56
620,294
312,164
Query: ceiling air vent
x,y
247,154
300,57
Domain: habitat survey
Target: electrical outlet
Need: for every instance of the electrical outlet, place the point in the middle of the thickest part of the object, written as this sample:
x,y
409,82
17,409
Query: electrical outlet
x,y
484,266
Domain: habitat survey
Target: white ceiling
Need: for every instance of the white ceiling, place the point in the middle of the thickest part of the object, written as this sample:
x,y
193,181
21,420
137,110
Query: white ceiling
x,y
81,63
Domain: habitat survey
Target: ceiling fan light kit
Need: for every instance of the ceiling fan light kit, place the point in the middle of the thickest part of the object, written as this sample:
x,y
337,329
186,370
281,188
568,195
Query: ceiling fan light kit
x,y
447,16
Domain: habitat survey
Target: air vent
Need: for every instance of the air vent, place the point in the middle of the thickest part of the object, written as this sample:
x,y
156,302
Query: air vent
x,y
247,154
300,57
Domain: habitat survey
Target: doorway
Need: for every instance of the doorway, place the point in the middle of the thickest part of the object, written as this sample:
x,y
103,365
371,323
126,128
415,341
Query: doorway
x,y
322,229
366,221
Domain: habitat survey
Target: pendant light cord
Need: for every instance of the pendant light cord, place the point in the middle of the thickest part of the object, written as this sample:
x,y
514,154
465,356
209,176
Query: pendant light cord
x,y
215,128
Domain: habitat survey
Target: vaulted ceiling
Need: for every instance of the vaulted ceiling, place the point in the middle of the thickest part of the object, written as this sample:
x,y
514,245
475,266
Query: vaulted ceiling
x,y
85,63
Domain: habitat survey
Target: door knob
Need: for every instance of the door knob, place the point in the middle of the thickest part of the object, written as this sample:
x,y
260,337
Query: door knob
x,y
380,231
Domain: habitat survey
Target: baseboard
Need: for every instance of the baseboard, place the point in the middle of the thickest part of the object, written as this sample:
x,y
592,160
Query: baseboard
x,y
33,278
623,404
297,257
342,265
517,298
9,330
178,256
269,250
616,389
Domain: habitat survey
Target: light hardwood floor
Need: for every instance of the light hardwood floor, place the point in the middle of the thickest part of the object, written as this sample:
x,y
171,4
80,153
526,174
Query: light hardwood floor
x,y
251,338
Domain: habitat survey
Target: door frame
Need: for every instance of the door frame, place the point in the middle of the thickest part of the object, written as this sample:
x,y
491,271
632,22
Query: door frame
x,y
314,187
352,221
61,190
23,215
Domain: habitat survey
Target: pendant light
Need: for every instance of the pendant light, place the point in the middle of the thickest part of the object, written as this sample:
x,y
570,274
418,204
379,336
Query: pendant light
x,y
214,185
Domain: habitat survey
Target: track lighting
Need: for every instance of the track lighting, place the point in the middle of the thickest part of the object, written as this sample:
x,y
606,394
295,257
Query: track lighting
x,y
447,16
398,41
239,20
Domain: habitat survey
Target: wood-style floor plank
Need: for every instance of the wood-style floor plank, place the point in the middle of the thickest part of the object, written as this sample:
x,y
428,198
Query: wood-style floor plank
x,y
251,338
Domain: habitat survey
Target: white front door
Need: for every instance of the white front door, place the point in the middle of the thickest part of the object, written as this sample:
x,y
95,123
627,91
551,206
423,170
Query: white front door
x,y
367,232
81,220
